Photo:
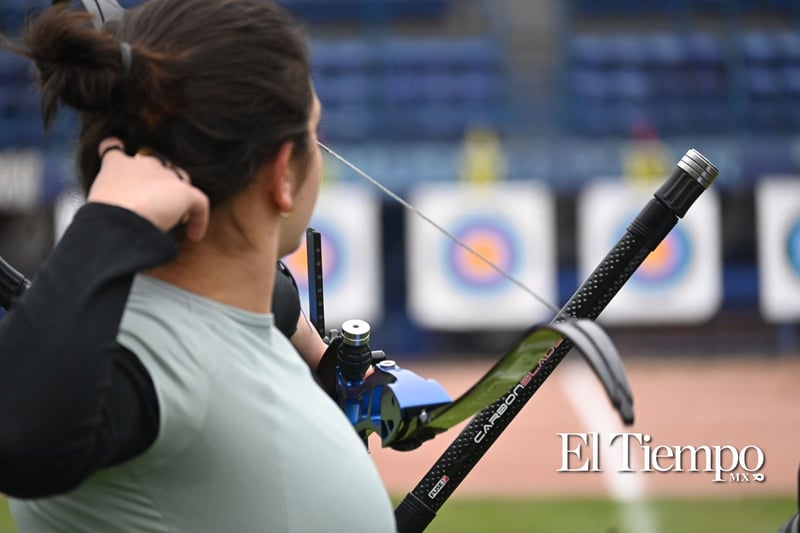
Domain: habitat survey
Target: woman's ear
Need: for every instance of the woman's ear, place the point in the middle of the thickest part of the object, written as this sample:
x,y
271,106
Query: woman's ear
x,y
282,179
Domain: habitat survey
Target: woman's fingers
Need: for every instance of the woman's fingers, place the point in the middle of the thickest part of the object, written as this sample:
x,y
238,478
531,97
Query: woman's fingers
x,y
151,187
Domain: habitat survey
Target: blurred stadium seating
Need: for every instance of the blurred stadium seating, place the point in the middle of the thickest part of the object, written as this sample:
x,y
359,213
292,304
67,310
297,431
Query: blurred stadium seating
x,y
369,11
406,88
676,84
403,80
395,86
699,82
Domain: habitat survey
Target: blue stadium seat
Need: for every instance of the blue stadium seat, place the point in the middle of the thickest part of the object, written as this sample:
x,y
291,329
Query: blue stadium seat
x,y
791,77
478,53
631,85
591,119
628,49
349,123
678,8
346,89
342,55
704,49
440,53
706,82
27,132
787,44
412,82
27,102
608,8
769,116
669,116
590,51
7,91
665,50
402,88
679,83
669,83
440,87
481,87
762,82
440,121
757,47
15,68
401,55
366,11
793,111
708,116
589,83
11,19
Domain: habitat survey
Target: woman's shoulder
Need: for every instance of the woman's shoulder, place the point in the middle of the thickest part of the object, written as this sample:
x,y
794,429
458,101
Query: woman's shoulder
x,y
160,328
160,324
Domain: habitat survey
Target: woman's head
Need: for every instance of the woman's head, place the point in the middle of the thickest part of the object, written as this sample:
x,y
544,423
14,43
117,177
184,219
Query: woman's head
x,y
215,86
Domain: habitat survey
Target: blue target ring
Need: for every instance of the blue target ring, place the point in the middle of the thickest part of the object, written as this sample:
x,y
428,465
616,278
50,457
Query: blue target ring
x,y
793,246
493,239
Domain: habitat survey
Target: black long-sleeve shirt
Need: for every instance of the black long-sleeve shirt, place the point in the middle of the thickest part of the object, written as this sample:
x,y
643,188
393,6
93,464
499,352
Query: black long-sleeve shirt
x,y
72,400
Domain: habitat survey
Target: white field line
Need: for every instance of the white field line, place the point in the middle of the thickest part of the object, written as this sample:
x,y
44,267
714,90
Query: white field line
x,y
589,400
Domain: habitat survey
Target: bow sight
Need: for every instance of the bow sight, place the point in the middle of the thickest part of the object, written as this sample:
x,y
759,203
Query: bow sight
x,y
386,401
389,399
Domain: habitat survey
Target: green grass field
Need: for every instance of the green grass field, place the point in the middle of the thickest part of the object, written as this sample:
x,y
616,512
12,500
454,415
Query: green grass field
x,y
603,516
462,515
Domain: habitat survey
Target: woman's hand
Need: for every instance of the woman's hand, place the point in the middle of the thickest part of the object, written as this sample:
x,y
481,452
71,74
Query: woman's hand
x,y
159,192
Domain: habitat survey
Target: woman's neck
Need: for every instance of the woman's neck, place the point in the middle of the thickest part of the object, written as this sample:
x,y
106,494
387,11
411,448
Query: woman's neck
x,y
226,267
245,281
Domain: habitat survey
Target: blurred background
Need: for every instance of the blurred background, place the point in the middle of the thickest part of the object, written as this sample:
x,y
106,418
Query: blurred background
x,y
546,96
533,131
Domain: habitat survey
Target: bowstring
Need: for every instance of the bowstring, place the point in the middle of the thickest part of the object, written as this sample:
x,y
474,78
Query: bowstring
x,y
440,228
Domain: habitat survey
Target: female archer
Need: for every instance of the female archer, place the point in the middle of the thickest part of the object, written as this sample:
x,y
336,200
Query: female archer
x,y
145,386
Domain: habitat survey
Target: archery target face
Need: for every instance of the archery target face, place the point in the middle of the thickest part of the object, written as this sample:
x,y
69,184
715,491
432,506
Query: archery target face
x,y
679,282
778,226
511,225
492,238
348,219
